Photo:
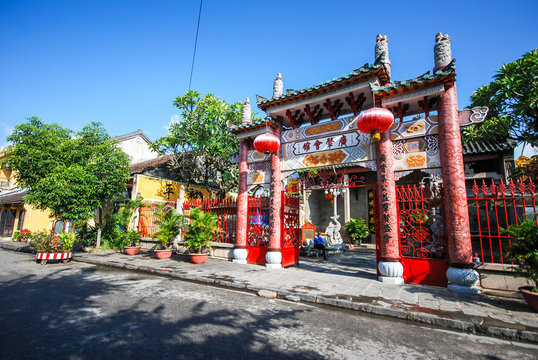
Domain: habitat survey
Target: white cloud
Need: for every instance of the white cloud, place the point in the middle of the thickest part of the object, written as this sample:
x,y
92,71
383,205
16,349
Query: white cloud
x,y
174,119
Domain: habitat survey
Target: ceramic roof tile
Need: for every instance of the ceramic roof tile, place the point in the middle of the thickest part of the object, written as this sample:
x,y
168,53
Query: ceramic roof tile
x,y
360,71
486,146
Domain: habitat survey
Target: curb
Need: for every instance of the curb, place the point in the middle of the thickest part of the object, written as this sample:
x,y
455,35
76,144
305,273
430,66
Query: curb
x,y
474,327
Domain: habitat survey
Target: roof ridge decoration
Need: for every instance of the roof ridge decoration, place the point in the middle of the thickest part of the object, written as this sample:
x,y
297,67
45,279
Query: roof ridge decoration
x,y
446,71
363,70
382,53
254,124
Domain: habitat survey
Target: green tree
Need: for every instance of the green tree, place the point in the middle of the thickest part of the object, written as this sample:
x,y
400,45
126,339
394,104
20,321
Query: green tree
x,y
512,99
200,143
69,174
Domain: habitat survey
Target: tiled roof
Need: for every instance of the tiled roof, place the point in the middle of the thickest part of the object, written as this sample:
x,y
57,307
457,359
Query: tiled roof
x,y
395,85
12,196
132,135
141,166
486,146
252,124
290,93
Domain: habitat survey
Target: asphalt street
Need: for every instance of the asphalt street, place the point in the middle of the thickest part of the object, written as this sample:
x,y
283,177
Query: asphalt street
x,y
81,311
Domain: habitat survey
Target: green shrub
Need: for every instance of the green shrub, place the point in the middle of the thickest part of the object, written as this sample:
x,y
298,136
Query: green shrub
x,y
168,225
524,249
201,228
357,229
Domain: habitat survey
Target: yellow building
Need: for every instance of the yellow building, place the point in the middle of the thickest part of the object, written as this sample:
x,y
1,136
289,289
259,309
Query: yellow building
x,y
14,214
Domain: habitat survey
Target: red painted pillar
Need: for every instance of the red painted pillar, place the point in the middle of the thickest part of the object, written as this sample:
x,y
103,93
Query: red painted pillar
x,y
390,268
461,276
274,256
240,250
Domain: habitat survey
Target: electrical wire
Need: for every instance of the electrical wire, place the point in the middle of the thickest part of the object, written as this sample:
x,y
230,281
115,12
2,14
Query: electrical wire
x,y
195,44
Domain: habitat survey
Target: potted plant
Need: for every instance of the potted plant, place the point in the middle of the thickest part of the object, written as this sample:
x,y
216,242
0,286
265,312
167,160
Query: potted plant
x,y
168,224
53,246
523,252
201,228
125,219
23,235
133,237
357,229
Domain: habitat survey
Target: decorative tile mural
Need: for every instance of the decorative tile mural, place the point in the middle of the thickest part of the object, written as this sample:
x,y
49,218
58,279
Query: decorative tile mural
x,y
416,146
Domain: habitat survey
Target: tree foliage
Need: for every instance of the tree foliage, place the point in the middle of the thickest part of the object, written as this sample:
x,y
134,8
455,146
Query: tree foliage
x,y
512,98
69,174
200,143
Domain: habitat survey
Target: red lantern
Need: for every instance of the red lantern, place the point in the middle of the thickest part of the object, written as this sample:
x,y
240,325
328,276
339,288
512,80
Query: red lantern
x,y
266,143
329,196
375,120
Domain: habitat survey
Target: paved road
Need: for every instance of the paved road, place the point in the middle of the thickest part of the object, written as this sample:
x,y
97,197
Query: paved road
x,y
80,311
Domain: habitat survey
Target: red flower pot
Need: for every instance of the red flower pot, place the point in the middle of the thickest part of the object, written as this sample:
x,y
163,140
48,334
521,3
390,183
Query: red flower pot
x,y
163,254
198,258
132,250
530,297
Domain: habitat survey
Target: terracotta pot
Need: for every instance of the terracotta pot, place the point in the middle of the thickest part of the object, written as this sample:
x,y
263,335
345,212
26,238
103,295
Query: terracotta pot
x,y
530,297
163,254
132,250
198,258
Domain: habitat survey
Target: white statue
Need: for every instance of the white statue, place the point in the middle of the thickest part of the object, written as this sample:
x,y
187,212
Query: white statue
x,y
333,231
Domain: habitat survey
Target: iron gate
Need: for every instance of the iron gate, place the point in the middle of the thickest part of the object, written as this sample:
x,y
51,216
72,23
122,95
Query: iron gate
x,y
423,245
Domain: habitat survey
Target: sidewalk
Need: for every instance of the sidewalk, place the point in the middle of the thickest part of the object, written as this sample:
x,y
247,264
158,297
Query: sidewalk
x,y
346,280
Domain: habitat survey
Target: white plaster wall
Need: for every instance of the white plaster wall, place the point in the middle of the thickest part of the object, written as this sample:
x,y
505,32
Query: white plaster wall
x,y
138,150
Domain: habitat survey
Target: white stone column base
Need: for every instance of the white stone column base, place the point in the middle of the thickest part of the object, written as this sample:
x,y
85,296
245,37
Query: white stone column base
x,y
273,260
463,280
391,280
391,272
240,256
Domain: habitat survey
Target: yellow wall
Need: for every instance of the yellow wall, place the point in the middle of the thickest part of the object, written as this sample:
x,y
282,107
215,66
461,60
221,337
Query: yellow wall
x,y
34,219
152,189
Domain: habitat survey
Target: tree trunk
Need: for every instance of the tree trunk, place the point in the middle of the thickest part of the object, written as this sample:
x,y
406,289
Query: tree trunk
x,y
98,242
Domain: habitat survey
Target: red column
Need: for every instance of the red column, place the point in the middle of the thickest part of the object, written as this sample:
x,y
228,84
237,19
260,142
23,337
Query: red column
x,y
389,266
240,251
455,193
274,256
242,198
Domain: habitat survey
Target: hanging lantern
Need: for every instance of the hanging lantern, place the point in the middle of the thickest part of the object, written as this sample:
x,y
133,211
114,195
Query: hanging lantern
x,y
375,120
266,143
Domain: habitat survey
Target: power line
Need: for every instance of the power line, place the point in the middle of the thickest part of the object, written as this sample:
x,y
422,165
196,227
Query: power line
x,y
195,43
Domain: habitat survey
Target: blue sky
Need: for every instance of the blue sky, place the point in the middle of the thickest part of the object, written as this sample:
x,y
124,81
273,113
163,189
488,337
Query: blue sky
x,y
123,62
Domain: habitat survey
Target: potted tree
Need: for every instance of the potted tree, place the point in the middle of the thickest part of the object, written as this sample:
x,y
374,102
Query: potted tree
x,y
523,253
133,238
53,246
201,228
126,219
357,229
168,222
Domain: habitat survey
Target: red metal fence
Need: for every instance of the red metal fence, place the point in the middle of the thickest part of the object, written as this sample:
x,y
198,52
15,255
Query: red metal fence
x,y
226,210
146,220
495,207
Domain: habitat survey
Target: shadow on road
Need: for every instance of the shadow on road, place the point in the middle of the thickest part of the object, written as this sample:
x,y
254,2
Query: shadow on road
x,y
59,316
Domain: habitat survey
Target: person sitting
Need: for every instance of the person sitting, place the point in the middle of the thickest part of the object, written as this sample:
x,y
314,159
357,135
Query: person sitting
x,y
319,243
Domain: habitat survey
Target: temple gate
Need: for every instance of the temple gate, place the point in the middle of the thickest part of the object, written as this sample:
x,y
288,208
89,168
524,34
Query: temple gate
x,y
317,127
